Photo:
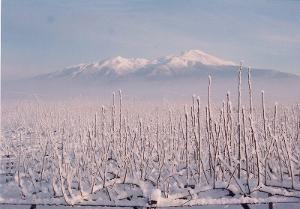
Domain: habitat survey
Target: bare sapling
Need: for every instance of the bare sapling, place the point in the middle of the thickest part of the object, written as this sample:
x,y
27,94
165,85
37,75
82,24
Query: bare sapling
x,y
239,120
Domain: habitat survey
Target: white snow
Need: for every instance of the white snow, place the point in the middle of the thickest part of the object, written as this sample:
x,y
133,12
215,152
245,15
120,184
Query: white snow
x,y
204,58
121,155
121,66
193,57
156,195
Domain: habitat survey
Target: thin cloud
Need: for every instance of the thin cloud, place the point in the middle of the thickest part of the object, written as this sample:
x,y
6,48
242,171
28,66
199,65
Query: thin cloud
x,y
284,39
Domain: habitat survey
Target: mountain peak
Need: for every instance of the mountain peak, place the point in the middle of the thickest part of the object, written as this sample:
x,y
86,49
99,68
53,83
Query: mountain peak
x,y
122,65
206,59
118,59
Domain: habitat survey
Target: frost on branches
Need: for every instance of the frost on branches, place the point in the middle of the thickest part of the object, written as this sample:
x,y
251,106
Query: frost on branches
x,y
120,154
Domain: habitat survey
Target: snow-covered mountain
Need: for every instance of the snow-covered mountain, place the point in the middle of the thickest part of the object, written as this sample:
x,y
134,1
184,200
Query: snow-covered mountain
x,y
174,76
117,67
193,57
192,63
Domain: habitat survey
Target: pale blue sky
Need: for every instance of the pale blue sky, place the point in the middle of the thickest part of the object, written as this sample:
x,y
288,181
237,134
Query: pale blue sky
x,y
41,36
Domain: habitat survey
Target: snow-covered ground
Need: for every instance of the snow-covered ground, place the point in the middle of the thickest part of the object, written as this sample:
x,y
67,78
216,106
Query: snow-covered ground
x,y
275,206
227,155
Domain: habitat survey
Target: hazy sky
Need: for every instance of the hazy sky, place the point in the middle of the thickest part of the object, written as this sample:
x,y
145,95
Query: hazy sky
x,y
40,36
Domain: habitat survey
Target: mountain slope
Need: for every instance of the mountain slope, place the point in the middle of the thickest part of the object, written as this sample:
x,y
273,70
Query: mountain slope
x,y
123,67
169,77
193,63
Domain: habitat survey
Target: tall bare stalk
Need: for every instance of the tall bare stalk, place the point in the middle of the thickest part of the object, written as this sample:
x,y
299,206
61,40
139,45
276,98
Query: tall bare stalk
x,y
238,120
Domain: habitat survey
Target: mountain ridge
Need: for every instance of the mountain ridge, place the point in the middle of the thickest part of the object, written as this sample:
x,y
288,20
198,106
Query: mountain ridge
x,y
173,77
187,64
120,66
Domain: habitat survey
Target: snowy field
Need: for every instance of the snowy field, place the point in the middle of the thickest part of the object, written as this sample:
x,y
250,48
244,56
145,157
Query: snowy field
x,y
275,206
228,155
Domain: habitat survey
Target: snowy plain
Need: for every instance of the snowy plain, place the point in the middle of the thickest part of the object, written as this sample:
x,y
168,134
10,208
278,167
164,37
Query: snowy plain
x,y
242,152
